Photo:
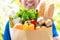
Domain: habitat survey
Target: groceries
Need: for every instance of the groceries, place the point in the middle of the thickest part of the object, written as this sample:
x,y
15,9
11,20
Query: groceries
x,y
32,25
26,26
28,20
26,16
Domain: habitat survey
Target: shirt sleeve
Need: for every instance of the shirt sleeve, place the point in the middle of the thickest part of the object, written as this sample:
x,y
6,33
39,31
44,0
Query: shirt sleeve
x,y
54,31
6,35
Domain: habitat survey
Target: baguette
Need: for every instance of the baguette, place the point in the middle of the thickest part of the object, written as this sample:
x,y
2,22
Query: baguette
x,y
49,11
41,9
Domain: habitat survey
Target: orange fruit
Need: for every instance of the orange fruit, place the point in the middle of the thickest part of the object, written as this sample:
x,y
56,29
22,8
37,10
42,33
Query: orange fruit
x,y
19,26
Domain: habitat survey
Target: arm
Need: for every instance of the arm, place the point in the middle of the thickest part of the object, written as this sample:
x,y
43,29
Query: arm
x,y
6,35
54,31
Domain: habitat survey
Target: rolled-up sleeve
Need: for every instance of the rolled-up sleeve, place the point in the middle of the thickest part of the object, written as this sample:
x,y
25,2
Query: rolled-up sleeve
x,y
54,31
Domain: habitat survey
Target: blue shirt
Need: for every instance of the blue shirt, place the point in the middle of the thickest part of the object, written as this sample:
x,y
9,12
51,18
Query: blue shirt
x,y
8,37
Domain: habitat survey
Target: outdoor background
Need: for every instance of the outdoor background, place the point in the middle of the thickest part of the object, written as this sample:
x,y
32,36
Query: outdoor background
x,y
11,6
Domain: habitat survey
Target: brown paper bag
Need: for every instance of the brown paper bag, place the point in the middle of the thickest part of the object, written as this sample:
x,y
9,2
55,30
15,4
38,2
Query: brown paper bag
x,y
41,34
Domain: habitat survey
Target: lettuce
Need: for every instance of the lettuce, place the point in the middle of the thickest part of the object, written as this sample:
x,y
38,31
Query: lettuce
x,y
26,14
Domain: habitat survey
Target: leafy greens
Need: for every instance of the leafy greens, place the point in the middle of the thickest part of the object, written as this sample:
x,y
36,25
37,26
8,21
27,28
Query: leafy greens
x,y
26,14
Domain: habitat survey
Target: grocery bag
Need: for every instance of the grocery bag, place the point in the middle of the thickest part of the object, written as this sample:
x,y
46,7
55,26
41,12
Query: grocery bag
x,y
41,34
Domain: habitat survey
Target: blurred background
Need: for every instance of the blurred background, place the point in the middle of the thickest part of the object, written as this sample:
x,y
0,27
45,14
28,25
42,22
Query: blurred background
x,y
11,6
